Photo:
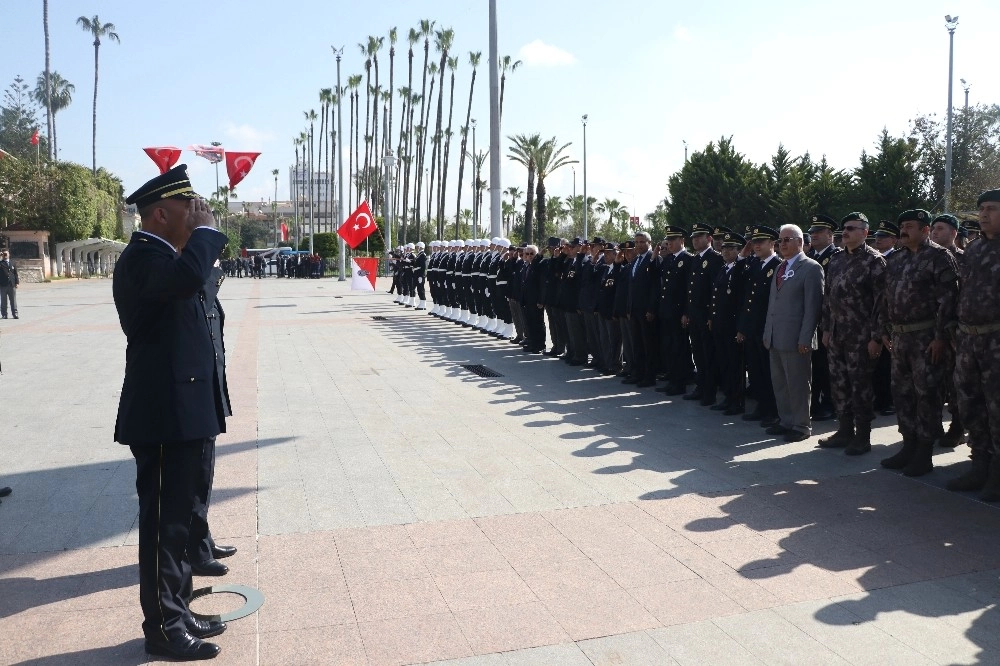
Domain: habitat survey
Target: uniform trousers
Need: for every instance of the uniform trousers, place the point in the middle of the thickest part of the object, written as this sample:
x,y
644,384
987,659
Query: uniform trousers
x,y
517,314
916,386
420,287
200,540
611,345
536,327
166,481
577,336
628,352
791,376
644,348
822,393
592,323
703,348
676,351
758,360
8,293
730,361
851,372
977,373
557,329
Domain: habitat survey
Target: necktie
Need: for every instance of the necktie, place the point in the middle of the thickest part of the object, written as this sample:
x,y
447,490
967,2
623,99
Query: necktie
x,y
780,277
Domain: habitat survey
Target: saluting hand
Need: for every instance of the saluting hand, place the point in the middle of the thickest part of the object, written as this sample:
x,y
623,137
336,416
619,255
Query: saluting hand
x,y
199,215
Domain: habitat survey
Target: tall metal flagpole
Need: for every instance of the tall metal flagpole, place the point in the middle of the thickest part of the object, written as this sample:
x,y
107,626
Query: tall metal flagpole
x,y
340,170
951,22
495,192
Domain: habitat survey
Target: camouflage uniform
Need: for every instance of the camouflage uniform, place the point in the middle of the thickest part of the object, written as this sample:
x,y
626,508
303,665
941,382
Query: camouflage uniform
x,y
854,279
920,298
977,361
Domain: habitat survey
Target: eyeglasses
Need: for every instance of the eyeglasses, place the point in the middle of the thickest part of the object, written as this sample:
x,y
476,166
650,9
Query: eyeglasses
x,y
853,228
787,240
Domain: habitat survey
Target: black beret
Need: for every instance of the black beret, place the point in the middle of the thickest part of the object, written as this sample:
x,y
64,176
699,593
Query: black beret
x,y
854,217
733,239
674,232
887,229
948,219
701,228
973,225
820,221
173,184
916,214
988,195
761,232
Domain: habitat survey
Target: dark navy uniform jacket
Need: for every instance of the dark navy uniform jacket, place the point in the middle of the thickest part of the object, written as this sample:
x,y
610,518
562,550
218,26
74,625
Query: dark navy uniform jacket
x,y
170,390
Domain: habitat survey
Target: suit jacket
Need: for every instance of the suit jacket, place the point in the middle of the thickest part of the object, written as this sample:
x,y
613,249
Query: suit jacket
x,y
169,394
8,274
643,286
757,293
531,283
793,311
216,318
700,279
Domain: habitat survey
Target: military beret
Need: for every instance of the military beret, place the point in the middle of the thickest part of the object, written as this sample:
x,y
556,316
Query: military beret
x,y
820,221
948,219
674,232
973,225
853,217
721,231
761,232
916,214
553,241
597,241
174,184
887,229
701,228
733,239
988,195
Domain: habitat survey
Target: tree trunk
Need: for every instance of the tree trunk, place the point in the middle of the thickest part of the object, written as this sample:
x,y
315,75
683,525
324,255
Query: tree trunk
x,y
465,144
540,204
93,145
49,119
529,204
447,148
423,136
350,157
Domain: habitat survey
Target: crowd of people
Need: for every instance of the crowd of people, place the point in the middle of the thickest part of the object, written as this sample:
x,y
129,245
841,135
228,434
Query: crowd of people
x,y
294,265
842,321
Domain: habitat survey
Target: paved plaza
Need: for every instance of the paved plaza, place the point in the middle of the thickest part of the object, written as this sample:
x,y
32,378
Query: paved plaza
x,y
395,508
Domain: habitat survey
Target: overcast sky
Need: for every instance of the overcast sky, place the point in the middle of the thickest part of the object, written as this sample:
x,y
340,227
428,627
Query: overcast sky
x,y
818,77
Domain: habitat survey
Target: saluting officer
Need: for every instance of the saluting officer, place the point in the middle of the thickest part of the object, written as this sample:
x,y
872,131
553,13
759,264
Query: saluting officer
x,y
886,237
676,345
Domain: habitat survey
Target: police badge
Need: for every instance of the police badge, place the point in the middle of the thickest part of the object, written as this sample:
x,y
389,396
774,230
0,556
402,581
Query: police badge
x,y
704,264
770,273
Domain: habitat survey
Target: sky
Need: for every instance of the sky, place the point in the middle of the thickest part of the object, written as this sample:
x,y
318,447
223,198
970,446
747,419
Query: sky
x,y
818,77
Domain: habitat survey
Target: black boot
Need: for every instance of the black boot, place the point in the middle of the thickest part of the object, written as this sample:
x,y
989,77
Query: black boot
x,y
991,491
954,436
974,479
921,463
841,438
861,443
902,458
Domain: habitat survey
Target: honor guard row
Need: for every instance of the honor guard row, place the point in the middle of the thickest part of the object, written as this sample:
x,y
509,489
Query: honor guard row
x,y
897,318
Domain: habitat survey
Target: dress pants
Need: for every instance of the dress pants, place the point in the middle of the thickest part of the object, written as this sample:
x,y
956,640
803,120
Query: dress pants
x,y
166,481
758,360
592,323
517,314
557,328
791,375
703,348
628,352
676,350
645,347
577,336
200,540
8,293
536,327
611,345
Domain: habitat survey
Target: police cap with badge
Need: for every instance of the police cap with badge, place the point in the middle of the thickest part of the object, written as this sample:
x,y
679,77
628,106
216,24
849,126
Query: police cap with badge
x,y
174,184
822,222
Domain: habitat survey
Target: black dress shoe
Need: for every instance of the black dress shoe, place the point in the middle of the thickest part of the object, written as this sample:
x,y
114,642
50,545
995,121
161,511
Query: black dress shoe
x,y
720,407
185,648
209,568
770,421
551,352
755,415
674,389
778,430
707,401
218,552
795,436
694,395
645,383
630,380
204,628
5,491
733,411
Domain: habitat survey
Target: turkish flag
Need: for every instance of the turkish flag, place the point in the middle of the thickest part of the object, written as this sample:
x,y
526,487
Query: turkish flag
x,y
284,232
359,226
363,271
34,138
164,157
238,165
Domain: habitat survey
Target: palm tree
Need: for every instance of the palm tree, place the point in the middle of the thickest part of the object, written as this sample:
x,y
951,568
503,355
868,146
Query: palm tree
x,y
615,212
353,82
432,71
374,46
452,65
525,152
406,128
98,30
506,65
47,102
508,212
56,96
548,159
393,38
442,42
426,28
474,58
556,209
326,100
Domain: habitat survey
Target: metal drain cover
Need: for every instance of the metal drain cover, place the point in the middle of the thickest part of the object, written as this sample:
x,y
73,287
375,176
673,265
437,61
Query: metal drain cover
x,y
380,318
482,371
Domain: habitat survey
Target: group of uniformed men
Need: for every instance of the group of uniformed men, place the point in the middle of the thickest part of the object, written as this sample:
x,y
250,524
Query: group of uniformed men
x,y
910,320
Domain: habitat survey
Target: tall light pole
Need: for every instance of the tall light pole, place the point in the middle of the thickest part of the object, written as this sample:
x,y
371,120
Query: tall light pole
x,y
684,141
475,181
276,233
340,169
965,87
951,22
495,191
390,163
584,120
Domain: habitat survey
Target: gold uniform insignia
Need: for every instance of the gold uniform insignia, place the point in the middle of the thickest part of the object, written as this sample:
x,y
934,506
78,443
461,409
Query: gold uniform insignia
x,y
680,263
826,261
770,273
704,264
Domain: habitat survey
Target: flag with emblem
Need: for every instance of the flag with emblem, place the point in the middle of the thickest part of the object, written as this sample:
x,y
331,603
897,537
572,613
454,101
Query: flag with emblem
x,y
34,138
213,154
359,226
284,232
363,271
164,156
238,165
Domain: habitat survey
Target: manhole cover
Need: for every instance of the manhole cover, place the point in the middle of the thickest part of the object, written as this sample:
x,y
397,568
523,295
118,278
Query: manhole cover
x,y
482,371
380,318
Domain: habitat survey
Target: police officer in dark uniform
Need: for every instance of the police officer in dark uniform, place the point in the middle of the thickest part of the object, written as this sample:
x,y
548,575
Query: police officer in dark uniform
x,y
675,268
823,248
750,324
707,263
419,275
727,302
170,404
610,331
552,269
626,255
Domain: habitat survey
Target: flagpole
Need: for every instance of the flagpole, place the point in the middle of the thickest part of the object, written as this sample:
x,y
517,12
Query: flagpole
x,y
340,168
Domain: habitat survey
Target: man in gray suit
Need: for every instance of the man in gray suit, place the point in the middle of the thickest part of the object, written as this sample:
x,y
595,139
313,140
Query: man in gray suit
x,y
790,333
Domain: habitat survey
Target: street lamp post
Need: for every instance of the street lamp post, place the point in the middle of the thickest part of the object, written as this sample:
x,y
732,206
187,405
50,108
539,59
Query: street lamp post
x,y
390,163
965,87
276,226
475,182
340,170
684,141
584,120
951,22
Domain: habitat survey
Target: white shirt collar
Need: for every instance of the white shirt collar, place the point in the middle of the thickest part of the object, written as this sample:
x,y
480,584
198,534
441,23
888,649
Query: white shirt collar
x,y
159,239
702,253
679,252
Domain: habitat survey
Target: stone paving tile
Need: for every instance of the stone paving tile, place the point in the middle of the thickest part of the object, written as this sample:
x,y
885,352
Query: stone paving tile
x,y
594,614
458,558
563,654
636,649
685,601
503,628
413,640
702,643
390,599
481,589
774,639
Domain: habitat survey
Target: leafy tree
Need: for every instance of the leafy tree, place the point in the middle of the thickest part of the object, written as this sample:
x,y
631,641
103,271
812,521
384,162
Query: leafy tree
x,y
719,186
19,121
59,96
525,152
889,181
548,158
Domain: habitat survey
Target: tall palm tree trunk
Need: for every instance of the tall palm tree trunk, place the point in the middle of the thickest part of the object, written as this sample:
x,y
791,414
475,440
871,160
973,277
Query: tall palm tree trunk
x,y
447,146
474,61
93,145
49,119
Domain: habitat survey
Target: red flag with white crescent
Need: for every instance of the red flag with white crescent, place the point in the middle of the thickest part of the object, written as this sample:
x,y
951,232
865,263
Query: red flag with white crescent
x,y
359,226
284,232
164,157
363,272
34,138
238,165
